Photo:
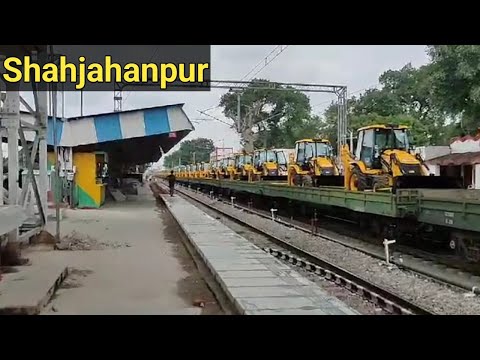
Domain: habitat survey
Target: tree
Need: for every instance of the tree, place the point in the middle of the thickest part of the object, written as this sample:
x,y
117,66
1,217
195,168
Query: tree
x,y
295,129
438,101
268,117
329,123
381,102
197,150
419,132
414,89
456,83
405,97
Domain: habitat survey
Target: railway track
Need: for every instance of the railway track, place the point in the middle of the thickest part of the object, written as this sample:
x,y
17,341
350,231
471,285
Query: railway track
x,y
381,297
439,268
371,245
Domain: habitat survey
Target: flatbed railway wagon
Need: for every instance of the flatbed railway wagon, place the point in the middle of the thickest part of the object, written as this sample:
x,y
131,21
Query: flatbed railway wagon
x,y
449,218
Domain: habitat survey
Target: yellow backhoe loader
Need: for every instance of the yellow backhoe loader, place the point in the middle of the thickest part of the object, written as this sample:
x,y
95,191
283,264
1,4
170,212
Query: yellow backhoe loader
x,y
237,168
180,172
224,168
266,165
199,170
235,171
283,159
191,171
313,164
382,161
196,170
243,166
230,166
212,171
220,170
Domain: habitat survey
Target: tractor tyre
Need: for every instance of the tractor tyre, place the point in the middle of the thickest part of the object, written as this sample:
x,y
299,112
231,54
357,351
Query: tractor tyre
x,y
297,180
357,180
380,182
307,181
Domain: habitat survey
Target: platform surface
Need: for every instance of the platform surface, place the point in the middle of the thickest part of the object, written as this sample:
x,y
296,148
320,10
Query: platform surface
x,y
27,291
143,269
11,217
255,282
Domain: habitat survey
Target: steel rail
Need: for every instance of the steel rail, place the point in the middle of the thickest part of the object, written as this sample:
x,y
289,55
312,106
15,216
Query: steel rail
x,y
383,298
443,279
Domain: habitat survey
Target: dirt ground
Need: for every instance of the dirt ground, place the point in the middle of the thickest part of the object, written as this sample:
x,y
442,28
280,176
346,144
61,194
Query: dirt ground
x,y
130,259
193,286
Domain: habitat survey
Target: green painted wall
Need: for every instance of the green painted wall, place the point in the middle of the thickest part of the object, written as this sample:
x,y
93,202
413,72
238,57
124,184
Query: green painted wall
x,y
84,200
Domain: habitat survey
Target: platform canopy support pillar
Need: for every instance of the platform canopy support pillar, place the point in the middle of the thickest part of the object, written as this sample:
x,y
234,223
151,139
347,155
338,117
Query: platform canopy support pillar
x,y
26,170
11,122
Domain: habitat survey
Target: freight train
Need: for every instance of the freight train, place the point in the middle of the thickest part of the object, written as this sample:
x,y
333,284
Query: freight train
x,y
381,161
380,184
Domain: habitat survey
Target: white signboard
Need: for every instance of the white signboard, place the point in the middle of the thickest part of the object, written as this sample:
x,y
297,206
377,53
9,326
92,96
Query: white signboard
x,y
220,153
65,157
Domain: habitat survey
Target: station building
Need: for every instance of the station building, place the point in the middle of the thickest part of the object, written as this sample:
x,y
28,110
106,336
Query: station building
x,y
95,152
460,158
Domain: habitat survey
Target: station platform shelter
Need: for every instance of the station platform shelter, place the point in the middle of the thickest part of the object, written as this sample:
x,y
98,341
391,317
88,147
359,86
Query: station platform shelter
x,y
95,152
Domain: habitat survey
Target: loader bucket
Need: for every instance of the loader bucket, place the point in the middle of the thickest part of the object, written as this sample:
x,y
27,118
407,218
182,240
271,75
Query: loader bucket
x,y
275,177
426,182
330,181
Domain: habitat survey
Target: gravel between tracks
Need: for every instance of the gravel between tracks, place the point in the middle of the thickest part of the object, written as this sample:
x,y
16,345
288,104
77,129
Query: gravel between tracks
x,y
431,295
353,300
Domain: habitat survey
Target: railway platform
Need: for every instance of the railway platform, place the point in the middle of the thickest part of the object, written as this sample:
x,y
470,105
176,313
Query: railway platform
x,y
123,259
255,282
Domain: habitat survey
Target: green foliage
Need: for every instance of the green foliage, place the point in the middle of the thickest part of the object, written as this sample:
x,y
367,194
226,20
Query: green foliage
x,y
438,101
282,117
419,133
279,117
201,147
406,97
456,83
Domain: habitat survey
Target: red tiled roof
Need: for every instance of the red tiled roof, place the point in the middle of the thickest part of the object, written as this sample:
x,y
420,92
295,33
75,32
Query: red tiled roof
x,y
465,138
469,158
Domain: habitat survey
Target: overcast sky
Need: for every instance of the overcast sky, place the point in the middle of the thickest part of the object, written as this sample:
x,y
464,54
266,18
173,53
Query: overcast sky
x,y
356,66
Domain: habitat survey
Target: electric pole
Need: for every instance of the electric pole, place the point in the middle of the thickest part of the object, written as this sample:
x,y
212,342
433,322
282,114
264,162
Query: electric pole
x,y
239,96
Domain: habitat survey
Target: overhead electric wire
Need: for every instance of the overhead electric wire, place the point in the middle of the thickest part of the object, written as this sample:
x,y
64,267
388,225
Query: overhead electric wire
x,y
281,48
151,58
266,61
349,94
214,118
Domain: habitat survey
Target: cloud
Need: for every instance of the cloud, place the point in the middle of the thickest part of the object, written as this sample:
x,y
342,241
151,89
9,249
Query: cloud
x,y
356,66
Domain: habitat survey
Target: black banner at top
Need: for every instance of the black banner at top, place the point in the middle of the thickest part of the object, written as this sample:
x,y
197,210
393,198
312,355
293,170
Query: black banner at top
x,y
107,67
